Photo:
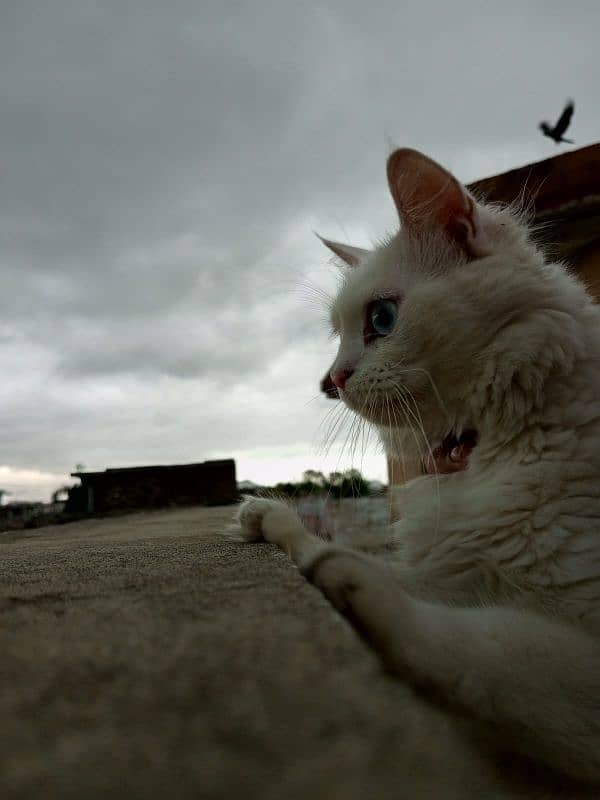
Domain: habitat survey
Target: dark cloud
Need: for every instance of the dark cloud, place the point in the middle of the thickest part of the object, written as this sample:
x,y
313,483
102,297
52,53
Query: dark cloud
x,y
162,167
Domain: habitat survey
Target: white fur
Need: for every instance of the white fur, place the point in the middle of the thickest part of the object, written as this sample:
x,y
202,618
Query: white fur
x,y
494,599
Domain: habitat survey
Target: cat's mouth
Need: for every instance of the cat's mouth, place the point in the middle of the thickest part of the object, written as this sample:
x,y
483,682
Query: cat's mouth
x,y
452,455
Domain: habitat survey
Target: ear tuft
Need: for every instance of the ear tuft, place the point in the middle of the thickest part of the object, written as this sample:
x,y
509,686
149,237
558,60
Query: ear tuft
x,y
429,198
353,256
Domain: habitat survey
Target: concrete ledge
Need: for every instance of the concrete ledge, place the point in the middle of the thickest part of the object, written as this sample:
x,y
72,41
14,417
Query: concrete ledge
x,y
146,656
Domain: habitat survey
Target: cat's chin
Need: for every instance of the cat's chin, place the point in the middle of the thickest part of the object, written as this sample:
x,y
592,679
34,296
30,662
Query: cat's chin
x,y
385,413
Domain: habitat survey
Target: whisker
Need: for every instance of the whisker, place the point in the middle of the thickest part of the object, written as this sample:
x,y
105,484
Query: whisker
x,y
408,413
425,372
337,421
365,424
331,412
307,290
313,398
348,438
345,421
435,471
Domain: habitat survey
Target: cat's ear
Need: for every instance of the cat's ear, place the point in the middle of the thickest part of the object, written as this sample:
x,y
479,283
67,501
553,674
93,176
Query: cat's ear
x,y
351,255
428,198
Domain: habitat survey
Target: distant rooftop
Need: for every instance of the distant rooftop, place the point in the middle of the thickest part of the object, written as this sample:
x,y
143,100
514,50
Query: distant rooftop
x,y
208,483
565,194
151,468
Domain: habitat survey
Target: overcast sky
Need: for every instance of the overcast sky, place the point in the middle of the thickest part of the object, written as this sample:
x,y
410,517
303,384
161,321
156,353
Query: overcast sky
x,y
162,169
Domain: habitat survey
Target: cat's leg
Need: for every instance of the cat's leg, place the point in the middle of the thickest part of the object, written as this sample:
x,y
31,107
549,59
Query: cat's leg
x,y
533,681
264,519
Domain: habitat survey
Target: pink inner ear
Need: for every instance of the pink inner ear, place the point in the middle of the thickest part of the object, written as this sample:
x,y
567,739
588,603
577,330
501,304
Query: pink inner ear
x,y
428,197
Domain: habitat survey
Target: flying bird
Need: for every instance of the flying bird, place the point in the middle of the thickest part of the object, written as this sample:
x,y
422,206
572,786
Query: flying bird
x,y
556,132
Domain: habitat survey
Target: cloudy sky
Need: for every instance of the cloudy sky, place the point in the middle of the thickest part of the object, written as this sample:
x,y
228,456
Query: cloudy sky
x,y
162,169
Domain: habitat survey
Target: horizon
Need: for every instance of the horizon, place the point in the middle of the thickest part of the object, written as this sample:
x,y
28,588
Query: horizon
x,y
31,486
268,473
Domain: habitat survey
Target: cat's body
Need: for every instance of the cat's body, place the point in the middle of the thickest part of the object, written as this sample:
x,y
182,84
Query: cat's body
x,y
523,519
490,595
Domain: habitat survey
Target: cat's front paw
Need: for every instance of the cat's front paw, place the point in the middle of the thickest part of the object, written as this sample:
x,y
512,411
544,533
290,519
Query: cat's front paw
x,y
251,514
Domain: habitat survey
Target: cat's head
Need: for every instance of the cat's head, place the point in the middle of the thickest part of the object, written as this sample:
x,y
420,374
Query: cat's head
x,y
418,317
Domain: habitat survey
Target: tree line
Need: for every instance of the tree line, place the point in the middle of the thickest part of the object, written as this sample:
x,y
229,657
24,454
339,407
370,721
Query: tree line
x,y
337,485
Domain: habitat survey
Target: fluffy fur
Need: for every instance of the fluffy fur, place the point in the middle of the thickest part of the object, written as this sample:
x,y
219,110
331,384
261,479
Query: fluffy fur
x,y
490,598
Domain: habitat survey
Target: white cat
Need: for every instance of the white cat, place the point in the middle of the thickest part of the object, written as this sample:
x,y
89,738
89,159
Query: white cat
x,y
490,598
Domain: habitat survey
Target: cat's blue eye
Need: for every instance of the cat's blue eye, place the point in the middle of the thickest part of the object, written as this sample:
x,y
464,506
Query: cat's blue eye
x,y
382,316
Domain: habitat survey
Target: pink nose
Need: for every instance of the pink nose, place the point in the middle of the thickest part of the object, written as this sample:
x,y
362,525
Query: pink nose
x,y
341,376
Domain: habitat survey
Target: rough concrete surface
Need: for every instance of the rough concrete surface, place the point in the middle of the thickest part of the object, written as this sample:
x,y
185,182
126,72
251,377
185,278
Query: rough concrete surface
x,y
147,656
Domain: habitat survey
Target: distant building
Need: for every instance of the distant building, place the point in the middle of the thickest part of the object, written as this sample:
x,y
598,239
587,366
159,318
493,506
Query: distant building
x,y
129,488
565,195
247,486
20,510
